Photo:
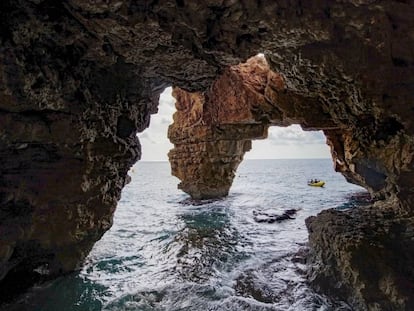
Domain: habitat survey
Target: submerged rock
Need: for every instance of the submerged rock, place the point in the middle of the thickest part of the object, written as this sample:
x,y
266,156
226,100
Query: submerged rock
x,y
271,218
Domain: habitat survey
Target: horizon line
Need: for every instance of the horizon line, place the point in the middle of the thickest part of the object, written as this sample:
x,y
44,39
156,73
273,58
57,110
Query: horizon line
x,y
251,159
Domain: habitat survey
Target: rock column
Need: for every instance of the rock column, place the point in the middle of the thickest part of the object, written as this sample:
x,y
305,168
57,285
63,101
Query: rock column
x,y
206,155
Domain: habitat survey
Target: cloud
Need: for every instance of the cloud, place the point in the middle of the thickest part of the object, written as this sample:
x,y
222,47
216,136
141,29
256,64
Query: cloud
x,y
167,121
166,100
146,138
294,135
264,149
154,141
144,135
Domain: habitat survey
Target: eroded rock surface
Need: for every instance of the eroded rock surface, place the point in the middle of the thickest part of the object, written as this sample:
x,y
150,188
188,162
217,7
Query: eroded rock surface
x,y
364,256
212,130
248,98
78,79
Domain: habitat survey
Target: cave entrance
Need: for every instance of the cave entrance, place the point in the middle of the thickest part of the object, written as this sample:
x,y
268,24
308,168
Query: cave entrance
x,y
162,245
206,154
290,142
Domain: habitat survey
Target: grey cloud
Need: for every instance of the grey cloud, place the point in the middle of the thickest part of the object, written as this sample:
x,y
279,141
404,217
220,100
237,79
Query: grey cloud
x,y
294,135
166,121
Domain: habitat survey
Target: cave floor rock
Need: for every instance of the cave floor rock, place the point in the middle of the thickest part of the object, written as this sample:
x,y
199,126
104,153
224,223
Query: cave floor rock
x,y
364,255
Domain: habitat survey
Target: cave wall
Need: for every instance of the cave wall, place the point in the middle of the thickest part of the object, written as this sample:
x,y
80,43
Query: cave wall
x,y
364,255
248,98
68,125
78,80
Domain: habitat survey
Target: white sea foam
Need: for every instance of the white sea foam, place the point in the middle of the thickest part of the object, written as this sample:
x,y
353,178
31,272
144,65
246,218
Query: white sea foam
x,y
162,254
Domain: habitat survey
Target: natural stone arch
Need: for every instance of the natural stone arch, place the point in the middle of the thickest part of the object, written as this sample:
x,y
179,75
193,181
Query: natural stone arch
x,y
213,129
79,78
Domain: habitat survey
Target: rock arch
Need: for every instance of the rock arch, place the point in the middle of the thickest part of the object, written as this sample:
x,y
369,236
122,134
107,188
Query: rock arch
x,y
213,129
79,78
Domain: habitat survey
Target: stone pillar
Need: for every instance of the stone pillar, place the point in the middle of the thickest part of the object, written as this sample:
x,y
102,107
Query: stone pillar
x,y
213,130
207,159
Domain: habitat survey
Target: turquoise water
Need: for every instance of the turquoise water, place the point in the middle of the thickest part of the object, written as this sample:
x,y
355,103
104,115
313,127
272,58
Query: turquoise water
x,y
165,253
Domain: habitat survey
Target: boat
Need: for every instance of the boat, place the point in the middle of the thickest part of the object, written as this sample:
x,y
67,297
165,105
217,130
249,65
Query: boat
x,y
318,183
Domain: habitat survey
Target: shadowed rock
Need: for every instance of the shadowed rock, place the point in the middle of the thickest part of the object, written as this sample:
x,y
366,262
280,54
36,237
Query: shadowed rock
x,y
271,218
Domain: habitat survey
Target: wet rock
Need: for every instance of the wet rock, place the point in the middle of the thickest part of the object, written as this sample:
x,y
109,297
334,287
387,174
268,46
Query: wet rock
x,y
272,218
250,286
364,256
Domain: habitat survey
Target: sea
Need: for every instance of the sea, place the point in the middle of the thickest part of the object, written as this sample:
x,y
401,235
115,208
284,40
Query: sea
x,y
168,252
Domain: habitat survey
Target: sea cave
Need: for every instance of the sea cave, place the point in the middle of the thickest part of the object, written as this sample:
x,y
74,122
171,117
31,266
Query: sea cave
x,y
79,80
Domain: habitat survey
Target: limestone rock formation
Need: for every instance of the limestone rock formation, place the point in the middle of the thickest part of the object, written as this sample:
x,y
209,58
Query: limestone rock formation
x,y
355,253
248,98
78,80
217,125
364,254
212,130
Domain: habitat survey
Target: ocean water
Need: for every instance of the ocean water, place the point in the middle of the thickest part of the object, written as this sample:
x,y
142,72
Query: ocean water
x,y
166,252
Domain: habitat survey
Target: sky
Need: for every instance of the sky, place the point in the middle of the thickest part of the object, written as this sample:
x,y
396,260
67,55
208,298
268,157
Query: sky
x,y
282,142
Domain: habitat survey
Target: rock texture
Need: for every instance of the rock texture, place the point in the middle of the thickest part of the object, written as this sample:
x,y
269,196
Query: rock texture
x,y
212,130
364,256
78,79
248,98
69,112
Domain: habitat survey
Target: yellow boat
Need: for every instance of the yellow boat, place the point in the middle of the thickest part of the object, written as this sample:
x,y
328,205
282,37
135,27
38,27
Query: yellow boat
x,y
319,183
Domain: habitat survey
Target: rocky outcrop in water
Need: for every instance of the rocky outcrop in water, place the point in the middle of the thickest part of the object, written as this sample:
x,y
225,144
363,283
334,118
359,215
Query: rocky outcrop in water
x,y
363,255
213,130
78,79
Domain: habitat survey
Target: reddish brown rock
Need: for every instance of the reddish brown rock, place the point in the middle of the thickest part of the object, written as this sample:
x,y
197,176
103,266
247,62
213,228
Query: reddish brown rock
x,y
250,97
368,152
212,130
